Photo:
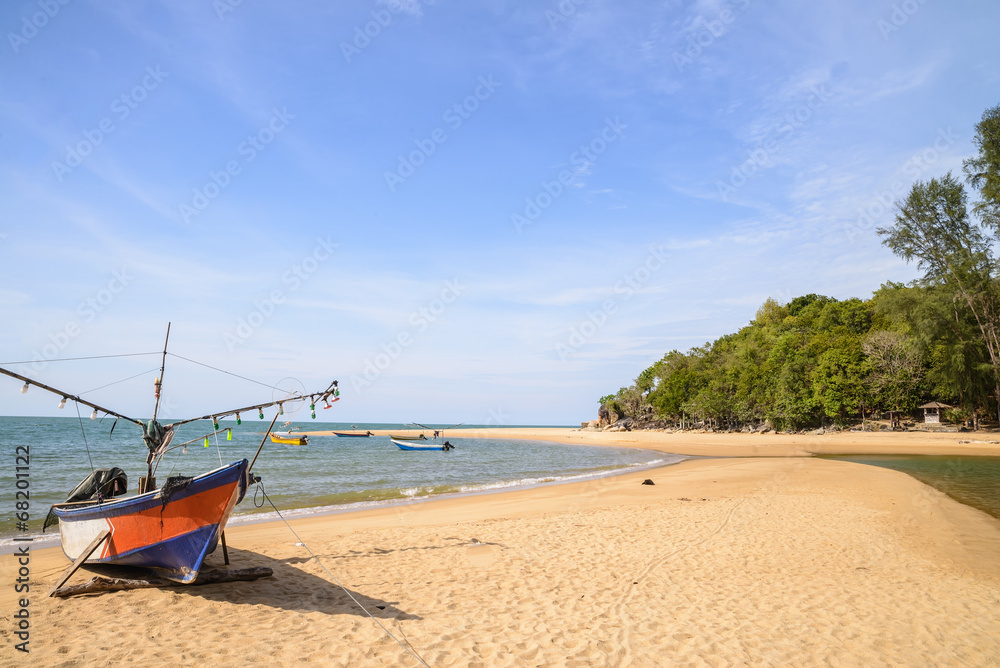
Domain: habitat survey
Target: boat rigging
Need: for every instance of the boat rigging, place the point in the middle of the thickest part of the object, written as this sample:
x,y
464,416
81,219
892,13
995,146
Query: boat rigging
x,y
168,530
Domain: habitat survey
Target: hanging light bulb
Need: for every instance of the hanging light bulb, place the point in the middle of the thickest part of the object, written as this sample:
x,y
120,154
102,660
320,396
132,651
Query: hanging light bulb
x,y
238,420
229,434
93,416
24,390
206,441
281,409
62,404
215,423
260,413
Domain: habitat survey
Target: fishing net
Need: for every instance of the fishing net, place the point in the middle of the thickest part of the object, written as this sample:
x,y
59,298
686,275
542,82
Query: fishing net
x,y
100,484
284,391
173,485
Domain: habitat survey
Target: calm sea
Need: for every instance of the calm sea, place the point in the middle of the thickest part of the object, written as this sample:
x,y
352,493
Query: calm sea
x,y
974,481
329,473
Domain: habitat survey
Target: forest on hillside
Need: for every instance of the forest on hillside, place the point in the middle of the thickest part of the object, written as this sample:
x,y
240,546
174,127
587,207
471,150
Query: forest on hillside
x,y
819,361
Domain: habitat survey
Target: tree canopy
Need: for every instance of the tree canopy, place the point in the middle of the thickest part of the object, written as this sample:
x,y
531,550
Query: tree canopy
x,y
817,359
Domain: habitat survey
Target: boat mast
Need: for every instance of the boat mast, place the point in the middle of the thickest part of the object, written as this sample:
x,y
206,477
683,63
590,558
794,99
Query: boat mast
x,y
159,380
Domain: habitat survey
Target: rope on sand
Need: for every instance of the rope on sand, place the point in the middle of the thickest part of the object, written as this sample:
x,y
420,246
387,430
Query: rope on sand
x,y
337,582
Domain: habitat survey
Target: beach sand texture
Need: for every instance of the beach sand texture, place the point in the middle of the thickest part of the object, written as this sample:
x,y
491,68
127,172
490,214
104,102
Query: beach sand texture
x,y
763,561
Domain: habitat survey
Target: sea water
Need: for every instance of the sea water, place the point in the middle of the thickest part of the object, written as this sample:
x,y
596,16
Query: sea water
x,y
974,481
328,474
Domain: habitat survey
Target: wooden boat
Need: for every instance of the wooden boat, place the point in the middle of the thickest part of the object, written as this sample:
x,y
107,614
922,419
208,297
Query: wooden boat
x,y
405,437
446,446
351,434
438,433
288,438
169,530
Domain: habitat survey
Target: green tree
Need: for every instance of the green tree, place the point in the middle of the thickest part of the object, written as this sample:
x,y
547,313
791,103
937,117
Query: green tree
x,y
896,370
983,171
933,228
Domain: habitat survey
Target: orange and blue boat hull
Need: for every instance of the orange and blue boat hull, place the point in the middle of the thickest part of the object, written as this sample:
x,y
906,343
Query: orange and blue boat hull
x,y
171,537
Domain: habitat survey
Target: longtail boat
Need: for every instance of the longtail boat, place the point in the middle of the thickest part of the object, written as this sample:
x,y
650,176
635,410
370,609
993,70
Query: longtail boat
x,y
288,438
405,437
352,434
446,446
170,529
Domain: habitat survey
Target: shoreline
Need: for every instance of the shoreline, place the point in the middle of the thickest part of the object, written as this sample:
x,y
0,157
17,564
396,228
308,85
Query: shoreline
x,y
721,444
819,561
764,445
51,539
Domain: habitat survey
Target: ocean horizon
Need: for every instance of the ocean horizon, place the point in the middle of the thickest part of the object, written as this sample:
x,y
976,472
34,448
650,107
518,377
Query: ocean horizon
x,y
329,474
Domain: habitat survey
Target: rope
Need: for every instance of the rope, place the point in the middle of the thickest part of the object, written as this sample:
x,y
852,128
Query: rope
x,y
217,450
334,578
84,432
119,381
209,366
74,359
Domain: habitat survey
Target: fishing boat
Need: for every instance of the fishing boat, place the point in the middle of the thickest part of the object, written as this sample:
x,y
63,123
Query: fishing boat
x,y
438,433
288,438
446,446
406,437
352,434
170,529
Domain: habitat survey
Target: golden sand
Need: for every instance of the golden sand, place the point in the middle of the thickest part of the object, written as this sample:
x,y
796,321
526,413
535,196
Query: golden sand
x,y
760,561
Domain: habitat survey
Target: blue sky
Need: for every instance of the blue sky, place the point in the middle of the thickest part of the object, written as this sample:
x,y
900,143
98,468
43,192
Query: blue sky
x,y
487,212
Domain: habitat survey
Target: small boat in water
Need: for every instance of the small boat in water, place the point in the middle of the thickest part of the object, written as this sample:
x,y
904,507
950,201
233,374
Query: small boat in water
x,y
352,434
288,438
446,446
407,437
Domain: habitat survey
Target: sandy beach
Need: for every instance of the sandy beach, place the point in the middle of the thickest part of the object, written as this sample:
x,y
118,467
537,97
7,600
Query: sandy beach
x,y
775,559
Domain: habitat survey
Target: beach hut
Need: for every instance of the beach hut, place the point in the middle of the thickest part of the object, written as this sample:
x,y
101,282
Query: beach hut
x,y
932,412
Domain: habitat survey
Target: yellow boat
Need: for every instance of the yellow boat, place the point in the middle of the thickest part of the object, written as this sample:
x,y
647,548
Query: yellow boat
x,y
288,438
